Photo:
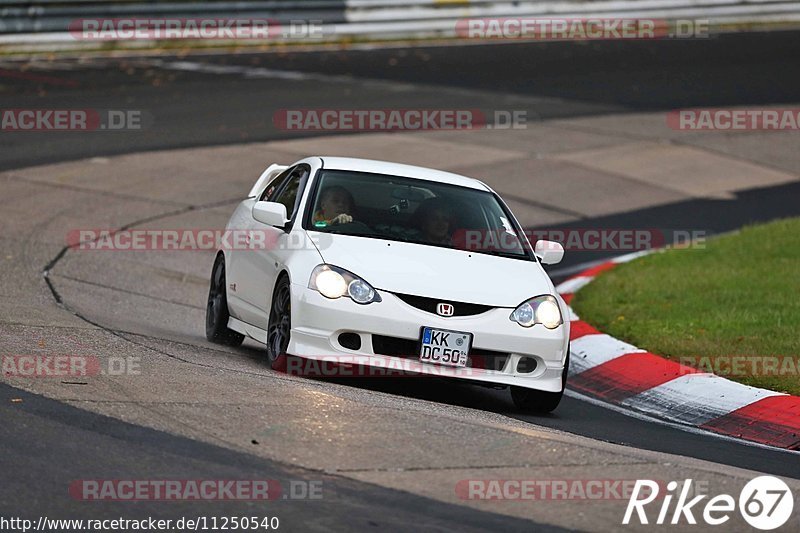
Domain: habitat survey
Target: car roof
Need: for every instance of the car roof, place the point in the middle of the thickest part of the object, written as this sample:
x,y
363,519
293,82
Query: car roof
x,y
398,169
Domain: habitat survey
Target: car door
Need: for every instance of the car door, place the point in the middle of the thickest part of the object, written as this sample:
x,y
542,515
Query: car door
x,y
258,267
242,223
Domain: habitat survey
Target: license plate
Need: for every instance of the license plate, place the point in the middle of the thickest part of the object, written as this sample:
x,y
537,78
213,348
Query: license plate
x,y
445,347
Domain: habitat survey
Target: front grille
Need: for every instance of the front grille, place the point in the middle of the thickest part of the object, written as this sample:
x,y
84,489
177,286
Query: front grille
x,y
395,347
429,305
409,349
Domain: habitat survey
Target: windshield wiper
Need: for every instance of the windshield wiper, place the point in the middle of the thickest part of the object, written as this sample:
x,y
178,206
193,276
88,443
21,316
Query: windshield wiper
x,y
488,252
502,254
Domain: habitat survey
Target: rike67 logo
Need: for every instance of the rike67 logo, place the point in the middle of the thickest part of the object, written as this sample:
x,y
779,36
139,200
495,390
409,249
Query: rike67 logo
x,y
765,503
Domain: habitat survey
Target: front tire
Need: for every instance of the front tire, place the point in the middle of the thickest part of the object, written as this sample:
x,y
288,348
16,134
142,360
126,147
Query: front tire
x,y
217,315
541,402
279,327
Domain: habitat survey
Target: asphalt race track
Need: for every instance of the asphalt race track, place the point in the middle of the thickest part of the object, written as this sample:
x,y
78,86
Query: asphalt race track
x,y
28,455
201,411
550,80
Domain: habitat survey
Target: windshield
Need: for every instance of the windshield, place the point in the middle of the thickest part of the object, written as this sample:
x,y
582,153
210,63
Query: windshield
x,y
411,210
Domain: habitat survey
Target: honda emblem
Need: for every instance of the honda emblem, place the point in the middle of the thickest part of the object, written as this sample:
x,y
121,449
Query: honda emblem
x,y
445,309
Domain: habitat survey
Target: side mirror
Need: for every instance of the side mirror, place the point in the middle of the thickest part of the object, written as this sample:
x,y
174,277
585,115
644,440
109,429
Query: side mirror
x,y
270,213
549,252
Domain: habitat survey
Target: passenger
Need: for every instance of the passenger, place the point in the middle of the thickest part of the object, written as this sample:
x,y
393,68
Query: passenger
x,y
336,206
436,220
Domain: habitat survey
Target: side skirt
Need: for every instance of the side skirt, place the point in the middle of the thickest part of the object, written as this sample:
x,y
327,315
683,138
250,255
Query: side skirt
x,y
257,334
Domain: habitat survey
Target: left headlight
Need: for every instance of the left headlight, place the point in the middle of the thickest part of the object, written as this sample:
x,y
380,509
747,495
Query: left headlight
x,y
540,310
334,282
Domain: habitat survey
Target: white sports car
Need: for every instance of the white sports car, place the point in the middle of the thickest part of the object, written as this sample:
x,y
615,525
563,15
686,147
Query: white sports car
x,y
387,265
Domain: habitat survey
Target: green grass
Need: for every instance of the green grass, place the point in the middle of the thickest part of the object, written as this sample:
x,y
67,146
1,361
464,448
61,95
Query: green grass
x,y
737,296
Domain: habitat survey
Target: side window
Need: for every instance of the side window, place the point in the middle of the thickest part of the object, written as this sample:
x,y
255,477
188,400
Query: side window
x,y
288,192
274,186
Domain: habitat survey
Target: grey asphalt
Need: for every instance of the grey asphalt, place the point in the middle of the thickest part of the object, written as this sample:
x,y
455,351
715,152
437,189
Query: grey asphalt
x,y
557,80
46,445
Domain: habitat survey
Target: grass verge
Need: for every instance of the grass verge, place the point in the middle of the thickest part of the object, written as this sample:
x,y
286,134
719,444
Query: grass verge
x,y
732,307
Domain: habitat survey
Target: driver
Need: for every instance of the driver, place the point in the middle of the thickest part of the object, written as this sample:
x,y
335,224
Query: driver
x,y
436,219
336,206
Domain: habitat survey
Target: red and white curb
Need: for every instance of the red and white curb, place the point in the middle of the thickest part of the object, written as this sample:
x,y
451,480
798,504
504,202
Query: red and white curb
x,y
622,374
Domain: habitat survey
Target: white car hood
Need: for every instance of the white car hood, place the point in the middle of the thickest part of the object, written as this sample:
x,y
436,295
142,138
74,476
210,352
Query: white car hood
x,y
435,272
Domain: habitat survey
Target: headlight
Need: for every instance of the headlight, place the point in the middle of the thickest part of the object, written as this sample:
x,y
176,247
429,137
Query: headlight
x,y
334,282
540,310
360,291
330,283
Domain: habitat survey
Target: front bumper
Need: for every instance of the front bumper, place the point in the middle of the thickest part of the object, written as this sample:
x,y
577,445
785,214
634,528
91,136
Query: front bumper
x,y
317,323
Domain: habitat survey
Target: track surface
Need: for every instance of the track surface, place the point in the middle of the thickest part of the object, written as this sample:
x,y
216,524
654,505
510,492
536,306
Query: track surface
x,y
549,81
557,80
40,474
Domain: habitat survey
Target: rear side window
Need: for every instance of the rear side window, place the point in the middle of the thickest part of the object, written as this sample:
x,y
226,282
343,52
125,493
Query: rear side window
x,y
271,191
287,194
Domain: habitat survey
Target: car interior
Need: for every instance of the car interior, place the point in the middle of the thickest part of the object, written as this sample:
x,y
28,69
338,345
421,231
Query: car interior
x,y
392,208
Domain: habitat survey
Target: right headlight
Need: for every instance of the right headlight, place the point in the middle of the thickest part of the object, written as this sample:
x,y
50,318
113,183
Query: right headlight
x,y
334,282
542,310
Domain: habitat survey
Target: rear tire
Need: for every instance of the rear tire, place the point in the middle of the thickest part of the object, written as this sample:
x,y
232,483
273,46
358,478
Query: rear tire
x,y
536,401
279,327
217,315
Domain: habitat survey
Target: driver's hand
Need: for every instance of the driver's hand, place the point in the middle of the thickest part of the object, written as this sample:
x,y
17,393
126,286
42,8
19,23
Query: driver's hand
x,y
344,218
